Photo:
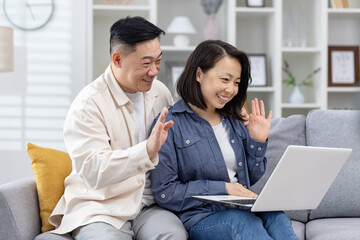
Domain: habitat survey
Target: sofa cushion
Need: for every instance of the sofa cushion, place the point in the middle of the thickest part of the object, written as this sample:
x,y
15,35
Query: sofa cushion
x,y
53,236
299,229
283,132
338,128
333,229
50,168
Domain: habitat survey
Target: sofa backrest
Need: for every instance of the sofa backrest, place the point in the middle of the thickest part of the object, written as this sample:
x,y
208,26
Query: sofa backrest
x,y
19,210
283,132
338,128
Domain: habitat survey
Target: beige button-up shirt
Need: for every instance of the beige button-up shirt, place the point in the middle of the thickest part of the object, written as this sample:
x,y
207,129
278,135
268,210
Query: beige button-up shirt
x,y
108,164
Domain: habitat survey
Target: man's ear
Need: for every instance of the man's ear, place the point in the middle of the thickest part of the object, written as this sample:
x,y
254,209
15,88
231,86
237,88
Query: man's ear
x,y
199,74
117,59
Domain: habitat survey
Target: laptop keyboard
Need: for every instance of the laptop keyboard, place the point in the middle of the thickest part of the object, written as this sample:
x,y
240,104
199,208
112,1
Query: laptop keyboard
x,y
240,201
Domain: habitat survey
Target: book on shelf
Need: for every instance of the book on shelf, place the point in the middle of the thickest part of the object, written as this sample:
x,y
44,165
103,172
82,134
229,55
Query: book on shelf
x,y
339,3
345,3
336,3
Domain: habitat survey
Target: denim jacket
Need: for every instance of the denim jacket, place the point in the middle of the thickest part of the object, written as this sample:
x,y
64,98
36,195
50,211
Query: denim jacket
x,y
191,163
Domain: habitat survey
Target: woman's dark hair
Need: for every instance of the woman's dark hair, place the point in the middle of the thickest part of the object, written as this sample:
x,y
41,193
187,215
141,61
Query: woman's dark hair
x,y
131,30
205,56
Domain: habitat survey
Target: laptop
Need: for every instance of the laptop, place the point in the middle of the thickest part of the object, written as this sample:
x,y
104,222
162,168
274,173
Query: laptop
x,y
299,181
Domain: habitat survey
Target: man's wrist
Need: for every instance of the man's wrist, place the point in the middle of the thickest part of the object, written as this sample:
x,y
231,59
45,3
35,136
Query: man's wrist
x,y
150,153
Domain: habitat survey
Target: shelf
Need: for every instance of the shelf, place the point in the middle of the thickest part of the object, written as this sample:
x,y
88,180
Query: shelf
x,y
113,11
300,106
343,89
255,11
121,7
344,11
301,50
177,49
261,89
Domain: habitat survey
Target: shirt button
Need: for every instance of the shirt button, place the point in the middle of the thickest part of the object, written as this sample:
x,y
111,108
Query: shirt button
x,y
259,149
257,164
139,169
251,146
240,164
187,141
162,196
232,141
147,165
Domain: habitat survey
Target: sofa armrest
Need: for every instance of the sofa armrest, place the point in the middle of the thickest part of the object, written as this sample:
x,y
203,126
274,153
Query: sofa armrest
x,y
19,210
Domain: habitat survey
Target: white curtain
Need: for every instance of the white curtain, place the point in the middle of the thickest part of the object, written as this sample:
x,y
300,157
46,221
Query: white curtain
x,y
49,71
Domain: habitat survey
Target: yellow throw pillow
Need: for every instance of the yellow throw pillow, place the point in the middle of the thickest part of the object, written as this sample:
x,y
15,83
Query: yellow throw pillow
x,y
50,168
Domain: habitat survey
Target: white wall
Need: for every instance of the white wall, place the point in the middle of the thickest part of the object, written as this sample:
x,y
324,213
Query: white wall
x,y
50,69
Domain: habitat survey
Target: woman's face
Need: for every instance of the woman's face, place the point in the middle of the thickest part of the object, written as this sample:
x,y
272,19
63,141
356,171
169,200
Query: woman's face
x,y
220,83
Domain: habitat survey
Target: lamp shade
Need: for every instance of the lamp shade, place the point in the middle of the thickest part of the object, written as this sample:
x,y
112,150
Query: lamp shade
x,y
181,24
6,49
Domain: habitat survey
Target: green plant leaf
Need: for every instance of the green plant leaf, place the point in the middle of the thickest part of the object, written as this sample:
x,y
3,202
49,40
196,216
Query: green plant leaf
x,y
291,81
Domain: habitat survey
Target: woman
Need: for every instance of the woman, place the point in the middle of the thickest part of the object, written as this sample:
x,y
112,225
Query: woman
x,y
209,151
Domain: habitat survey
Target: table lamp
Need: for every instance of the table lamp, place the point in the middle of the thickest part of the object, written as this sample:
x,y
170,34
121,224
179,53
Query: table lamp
x,y
6,49
181,25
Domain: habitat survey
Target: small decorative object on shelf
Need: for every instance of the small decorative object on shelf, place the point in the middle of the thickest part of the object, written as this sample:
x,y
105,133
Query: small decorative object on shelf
x,y
181,26
295,25
255,3
211,27
173,71
296,96
258,69
343,66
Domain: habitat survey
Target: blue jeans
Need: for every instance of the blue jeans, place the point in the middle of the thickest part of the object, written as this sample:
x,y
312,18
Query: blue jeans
x,y
243,224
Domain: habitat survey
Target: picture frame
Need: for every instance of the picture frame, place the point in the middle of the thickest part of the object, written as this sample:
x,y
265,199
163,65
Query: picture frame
x,y
343,66
258,70
173,69
255,3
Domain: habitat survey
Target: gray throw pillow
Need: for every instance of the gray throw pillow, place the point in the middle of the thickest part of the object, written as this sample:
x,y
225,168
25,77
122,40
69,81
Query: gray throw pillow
x,y
338,128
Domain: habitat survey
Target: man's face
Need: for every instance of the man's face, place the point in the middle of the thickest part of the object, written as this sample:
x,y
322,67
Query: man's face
x,y
139,68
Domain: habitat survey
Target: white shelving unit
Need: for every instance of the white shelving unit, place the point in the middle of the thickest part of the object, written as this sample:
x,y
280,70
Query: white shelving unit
x,y
343,29
255,31
263,30
101,16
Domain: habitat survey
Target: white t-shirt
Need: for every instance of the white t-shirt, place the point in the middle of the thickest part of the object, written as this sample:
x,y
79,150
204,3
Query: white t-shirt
x,y
222,134
139,116
139,113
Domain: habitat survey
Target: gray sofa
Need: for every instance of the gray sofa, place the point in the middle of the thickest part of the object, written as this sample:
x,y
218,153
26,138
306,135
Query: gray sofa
x,y
337,217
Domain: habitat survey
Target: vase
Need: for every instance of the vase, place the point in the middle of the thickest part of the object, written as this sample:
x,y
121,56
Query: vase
x,y
211,28
296,96
295,25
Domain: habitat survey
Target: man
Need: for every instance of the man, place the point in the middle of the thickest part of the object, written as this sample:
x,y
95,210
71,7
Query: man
x,y
108,193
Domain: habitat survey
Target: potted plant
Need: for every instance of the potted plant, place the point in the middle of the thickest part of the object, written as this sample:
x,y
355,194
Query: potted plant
x,y
296,96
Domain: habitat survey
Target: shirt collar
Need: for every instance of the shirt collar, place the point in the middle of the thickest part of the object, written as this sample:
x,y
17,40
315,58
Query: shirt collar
x,y
181,106
118,93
